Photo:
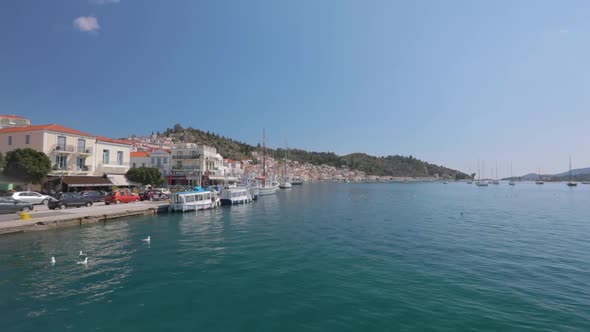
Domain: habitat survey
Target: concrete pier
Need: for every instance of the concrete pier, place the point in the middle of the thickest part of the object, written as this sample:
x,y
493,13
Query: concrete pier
x,y
43,220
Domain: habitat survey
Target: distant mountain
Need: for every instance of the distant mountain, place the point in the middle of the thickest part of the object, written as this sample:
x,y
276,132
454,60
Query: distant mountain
x,y
395,166
579,174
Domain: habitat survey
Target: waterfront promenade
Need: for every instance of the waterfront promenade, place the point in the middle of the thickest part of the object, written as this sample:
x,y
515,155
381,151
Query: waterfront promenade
x,y
43,218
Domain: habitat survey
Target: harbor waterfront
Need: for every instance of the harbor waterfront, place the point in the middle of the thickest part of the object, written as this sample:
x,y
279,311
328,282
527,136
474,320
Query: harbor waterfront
x,y
322,257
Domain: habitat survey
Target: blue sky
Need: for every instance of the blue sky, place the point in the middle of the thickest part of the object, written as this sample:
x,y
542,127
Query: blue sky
x,y
449,82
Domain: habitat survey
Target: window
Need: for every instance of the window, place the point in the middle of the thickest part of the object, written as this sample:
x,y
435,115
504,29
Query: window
x,y
81,145
134,165
9,140
119,157
61,143
153,160
27,139
105,156
179,154
81,163
142,164
179,164
61,162
165,160
158,161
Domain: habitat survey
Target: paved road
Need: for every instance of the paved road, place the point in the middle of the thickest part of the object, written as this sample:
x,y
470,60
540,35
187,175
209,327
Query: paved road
x,y
42,211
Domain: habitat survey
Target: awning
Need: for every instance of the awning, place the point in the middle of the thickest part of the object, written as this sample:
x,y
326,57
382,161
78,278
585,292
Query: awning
x,y
120,180
221,177
86,181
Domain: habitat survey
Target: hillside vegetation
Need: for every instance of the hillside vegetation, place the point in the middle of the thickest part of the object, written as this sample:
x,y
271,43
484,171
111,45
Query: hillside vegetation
x,y
397,166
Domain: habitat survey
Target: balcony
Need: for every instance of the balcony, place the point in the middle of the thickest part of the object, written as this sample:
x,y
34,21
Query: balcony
x,y
63,148
198,156
83,150
114,168
67,149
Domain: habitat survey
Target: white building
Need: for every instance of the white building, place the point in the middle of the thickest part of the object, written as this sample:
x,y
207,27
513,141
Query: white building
x,y
159,159
9,121
191,162
71,151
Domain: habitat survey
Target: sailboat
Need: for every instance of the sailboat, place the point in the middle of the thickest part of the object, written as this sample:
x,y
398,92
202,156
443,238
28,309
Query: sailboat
x,y
264,188
539,181
571,183
512,183
479,182
285,184
496,177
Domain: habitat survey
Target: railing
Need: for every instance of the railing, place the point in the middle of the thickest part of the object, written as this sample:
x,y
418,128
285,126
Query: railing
x,y
84,150
114,164
57,168
63,148
198,156
71,149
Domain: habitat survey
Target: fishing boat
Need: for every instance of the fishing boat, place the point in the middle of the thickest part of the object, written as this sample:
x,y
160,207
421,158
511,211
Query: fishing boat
x,y
234,196
540,180
570,182
193,200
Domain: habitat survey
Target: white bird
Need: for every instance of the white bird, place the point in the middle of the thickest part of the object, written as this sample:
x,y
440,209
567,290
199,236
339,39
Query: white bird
x,y
81,253
147,239
52,260
85,261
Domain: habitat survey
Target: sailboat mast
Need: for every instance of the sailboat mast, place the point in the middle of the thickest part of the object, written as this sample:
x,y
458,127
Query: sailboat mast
x,y
570,168
263,152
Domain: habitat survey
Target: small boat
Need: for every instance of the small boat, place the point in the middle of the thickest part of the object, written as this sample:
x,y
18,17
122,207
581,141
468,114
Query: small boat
x,y
445,182
585,182
512,183
469,182
539,181
570,182
480,182
296,182
193,200
234,196
285,185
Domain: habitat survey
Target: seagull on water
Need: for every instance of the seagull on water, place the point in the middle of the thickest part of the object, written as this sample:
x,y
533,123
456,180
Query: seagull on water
x,y
52,260
81,253
84,262
147,239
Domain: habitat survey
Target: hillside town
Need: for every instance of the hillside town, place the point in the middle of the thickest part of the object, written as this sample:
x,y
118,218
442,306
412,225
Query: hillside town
x,y
83,160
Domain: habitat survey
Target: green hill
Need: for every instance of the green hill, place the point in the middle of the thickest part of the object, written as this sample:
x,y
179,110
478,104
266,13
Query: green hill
x,y
397,166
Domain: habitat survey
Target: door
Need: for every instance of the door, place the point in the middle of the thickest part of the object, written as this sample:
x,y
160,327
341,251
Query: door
x,y
61,142
8,205
35,198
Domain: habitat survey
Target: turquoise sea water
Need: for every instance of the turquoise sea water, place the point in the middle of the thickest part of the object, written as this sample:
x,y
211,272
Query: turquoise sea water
x,y
320,257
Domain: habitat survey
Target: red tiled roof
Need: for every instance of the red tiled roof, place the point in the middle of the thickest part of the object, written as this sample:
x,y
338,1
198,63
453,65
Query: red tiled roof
x,y
112,140
49,127
11,116
139,154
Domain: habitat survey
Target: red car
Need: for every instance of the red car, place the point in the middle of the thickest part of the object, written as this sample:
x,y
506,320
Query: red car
x,y
116,197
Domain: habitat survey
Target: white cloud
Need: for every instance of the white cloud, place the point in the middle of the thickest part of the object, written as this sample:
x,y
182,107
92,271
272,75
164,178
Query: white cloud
x,y
104,2
86,23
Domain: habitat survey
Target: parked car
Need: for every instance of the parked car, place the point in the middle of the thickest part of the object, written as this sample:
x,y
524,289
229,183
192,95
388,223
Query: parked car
x,y
31,197
65,200
94,195
121,196
153,195
11,205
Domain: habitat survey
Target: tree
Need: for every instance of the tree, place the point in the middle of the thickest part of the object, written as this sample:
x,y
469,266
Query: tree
x,y
27,164
145,175
2,161
472,176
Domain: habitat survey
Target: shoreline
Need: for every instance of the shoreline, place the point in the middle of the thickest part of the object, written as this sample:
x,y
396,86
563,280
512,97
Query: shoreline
x,y
71,219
